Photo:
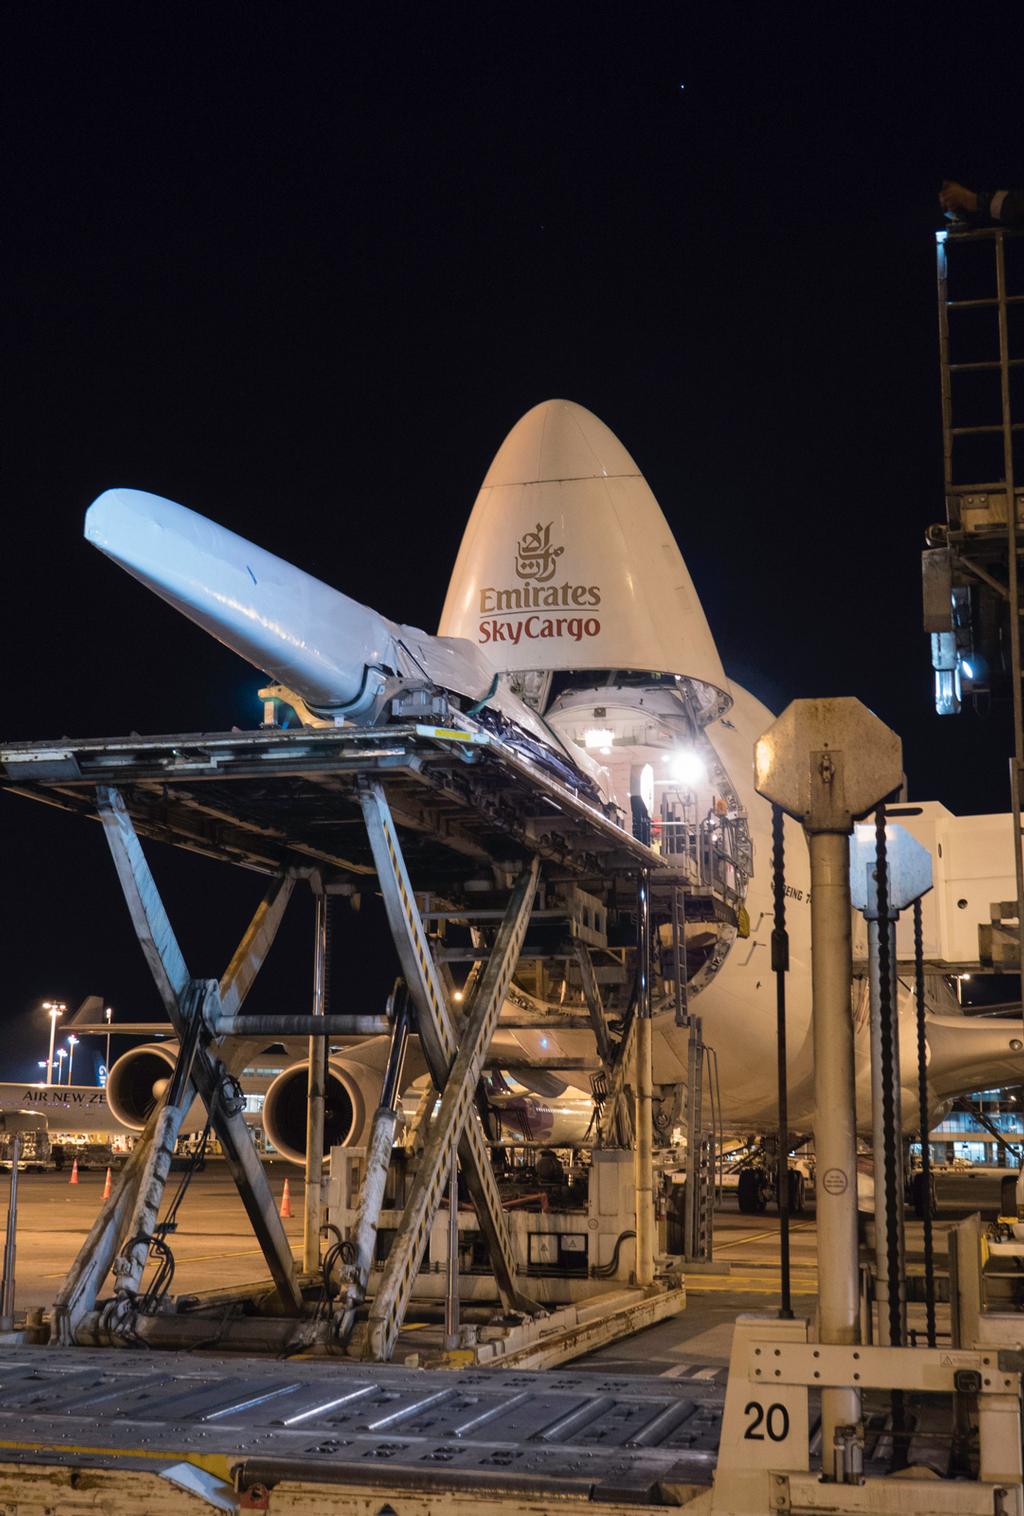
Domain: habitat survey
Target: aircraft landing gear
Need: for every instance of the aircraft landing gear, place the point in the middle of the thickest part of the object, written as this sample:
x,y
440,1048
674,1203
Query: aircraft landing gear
x,y
757,1191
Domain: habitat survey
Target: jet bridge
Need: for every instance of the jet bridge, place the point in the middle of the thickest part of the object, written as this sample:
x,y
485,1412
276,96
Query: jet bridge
x,y
443,809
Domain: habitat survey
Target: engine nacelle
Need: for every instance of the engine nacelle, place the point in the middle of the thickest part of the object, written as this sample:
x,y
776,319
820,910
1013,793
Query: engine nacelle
x,y
561,1120
351,1095
137,1080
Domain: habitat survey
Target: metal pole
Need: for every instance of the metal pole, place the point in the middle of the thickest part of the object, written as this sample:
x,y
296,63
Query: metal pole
x,y
826,762
694,1135
780,966
276,1027
10,1241
451,1304
53,1039
315,1104
835,1136
644,1149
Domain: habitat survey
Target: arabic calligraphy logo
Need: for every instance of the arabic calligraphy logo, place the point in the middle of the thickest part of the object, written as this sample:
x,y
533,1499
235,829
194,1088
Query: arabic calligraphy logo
x,y
535,557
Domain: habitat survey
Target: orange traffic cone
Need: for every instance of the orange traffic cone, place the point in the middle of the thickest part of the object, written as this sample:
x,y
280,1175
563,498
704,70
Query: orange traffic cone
x,y
74,1173
107,1187
286,1202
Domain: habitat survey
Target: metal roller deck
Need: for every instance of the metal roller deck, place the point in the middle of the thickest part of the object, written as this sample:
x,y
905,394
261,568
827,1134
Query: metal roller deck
x,y
234,1428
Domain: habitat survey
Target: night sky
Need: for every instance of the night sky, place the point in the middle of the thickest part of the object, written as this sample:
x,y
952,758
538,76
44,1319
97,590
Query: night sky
x,y
301,266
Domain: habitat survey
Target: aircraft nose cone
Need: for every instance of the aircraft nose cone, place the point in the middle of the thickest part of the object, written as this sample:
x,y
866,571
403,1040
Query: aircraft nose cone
x,y
559,440
568,563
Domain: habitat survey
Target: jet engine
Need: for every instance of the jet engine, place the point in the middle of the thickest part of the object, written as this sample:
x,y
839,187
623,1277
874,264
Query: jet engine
x,y
351,1095
560,1123
137,1080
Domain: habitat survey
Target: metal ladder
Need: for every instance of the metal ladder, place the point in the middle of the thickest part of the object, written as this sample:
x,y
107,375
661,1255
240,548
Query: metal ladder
x,y
979,545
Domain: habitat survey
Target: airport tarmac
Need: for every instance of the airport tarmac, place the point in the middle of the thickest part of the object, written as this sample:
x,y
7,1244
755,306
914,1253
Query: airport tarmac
x,y
214,1246
697,1343
681,1364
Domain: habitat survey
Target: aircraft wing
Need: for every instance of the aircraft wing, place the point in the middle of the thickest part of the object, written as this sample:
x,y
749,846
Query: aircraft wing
x,y
127,1028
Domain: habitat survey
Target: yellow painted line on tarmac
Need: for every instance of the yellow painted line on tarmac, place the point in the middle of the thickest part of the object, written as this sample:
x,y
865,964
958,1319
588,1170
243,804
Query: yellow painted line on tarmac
x,y
735,1242
729,1286
181,1260
738,1279
749,1270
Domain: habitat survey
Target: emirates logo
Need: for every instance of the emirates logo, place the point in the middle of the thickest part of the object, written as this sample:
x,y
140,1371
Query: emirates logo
x,y
536,559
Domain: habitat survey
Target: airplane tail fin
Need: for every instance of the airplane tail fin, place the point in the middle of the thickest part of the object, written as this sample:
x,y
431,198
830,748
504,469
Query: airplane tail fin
x,y
90,1010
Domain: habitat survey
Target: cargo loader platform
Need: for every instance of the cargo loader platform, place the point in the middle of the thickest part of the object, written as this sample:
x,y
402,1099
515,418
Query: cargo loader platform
x,y
273,799
450,819
125,1431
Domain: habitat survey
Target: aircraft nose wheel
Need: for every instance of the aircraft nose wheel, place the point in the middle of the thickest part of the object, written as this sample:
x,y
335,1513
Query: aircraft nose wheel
x,y
757,1191
754,1191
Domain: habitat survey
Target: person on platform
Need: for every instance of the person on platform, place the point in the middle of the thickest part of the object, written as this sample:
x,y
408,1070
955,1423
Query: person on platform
x,y
999,207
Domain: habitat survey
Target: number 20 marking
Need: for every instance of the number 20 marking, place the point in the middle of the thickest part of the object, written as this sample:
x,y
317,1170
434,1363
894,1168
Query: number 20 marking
x,y
776,1422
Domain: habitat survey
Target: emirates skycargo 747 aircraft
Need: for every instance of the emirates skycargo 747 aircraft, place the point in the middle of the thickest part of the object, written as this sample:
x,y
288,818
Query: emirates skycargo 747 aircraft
x,y
570,579
570,587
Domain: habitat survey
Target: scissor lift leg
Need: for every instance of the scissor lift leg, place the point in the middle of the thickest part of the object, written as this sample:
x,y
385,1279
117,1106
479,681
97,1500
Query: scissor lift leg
x,y
434,1024
130,1264
209,1078
80,1289
449,1126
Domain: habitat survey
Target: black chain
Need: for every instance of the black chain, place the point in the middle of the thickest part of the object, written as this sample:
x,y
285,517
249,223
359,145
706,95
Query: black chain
x,y
889,1114
780,965
886,1016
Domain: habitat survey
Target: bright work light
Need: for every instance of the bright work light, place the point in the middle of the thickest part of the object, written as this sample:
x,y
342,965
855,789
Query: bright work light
x,y
687,767
599,738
